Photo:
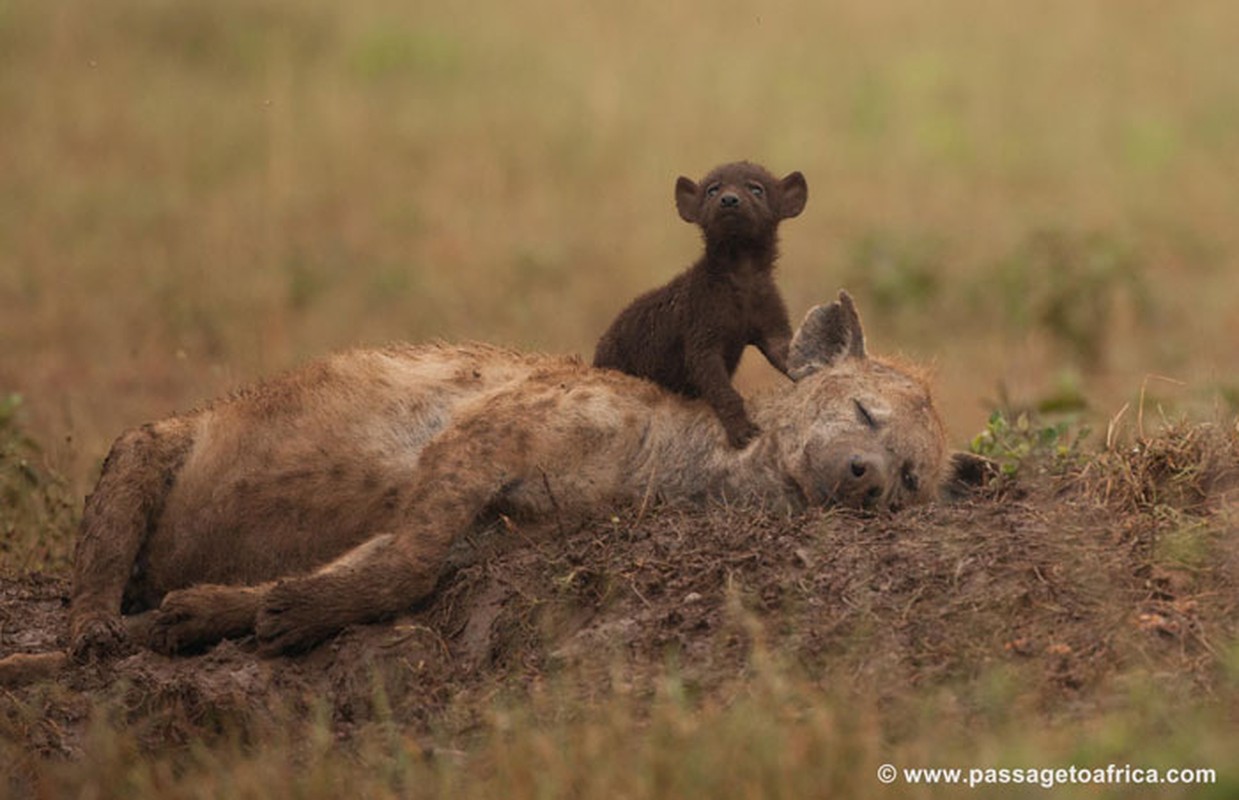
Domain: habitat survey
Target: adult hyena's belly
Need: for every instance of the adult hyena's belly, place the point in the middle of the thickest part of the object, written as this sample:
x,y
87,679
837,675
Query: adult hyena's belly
x,y
265,516
275,489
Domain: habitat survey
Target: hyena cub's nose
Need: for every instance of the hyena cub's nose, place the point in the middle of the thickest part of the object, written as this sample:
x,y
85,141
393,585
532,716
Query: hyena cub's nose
x,y
729,200
866,484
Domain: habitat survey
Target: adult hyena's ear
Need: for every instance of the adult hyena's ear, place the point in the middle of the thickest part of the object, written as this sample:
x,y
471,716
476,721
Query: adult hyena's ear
x,y
688,199
966,473
829,334
793,194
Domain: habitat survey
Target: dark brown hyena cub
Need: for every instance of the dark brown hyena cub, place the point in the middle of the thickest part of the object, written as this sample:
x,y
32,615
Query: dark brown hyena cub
x,y
688,335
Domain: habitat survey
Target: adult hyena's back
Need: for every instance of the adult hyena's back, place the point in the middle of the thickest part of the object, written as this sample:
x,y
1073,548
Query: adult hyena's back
x,y
284,477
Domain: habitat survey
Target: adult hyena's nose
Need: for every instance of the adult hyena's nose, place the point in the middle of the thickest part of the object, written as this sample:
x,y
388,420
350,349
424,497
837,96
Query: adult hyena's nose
x,y
864,482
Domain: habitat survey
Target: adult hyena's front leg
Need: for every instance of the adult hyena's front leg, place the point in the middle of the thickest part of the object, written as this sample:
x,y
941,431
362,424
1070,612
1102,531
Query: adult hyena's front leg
x,y
189,620
137,475
193,619
459,474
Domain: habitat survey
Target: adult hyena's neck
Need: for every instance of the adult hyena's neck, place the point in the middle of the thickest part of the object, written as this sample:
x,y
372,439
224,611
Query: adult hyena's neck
x,y
689,460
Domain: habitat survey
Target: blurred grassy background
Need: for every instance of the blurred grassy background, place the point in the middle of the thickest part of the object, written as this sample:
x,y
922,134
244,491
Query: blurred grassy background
x,y
1040,198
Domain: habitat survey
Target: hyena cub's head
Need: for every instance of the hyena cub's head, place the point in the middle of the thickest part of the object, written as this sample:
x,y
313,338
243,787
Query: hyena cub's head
x,y
740,202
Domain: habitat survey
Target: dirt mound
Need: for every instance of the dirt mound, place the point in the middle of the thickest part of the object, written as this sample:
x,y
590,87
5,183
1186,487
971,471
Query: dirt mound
x,y
1067,580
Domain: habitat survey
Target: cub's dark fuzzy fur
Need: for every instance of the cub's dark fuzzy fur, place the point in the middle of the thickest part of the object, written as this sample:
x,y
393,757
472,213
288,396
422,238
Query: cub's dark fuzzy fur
x,y
688,335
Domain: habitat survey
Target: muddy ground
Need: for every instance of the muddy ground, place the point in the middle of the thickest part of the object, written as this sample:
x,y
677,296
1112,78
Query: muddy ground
x,y
1069,578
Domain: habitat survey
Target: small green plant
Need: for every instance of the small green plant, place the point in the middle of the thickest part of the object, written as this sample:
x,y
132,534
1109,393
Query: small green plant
x,y
1012,444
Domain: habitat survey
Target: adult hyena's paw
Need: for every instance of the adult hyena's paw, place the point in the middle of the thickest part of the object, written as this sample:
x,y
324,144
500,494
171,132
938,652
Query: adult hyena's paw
x,y
191,620
292,618
97,636
179,624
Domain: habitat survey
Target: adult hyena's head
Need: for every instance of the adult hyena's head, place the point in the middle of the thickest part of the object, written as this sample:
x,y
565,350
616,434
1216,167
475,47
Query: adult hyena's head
x,y
854,430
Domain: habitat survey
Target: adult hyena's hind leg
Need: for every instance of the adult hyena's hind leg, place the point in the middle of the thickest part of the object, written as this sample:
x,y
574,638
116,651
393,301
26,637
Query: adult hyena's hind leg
x,y
119,515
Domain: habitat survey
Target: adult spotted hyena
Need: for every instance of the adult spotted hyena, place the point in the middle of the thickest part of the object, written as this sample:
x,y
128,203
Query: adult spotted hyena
x,y
331,495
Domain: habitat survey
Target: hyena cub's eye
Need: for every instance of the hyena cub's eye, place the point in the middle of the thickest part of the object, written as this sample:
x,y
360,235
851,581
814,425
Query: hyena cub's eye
x,y
712,189
757,189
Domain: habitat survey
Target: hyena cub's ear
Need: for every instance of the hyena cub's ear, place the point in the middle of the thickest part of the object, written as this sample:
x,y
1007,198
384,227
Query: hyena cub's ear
x,y
688,199
793,194
829,334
